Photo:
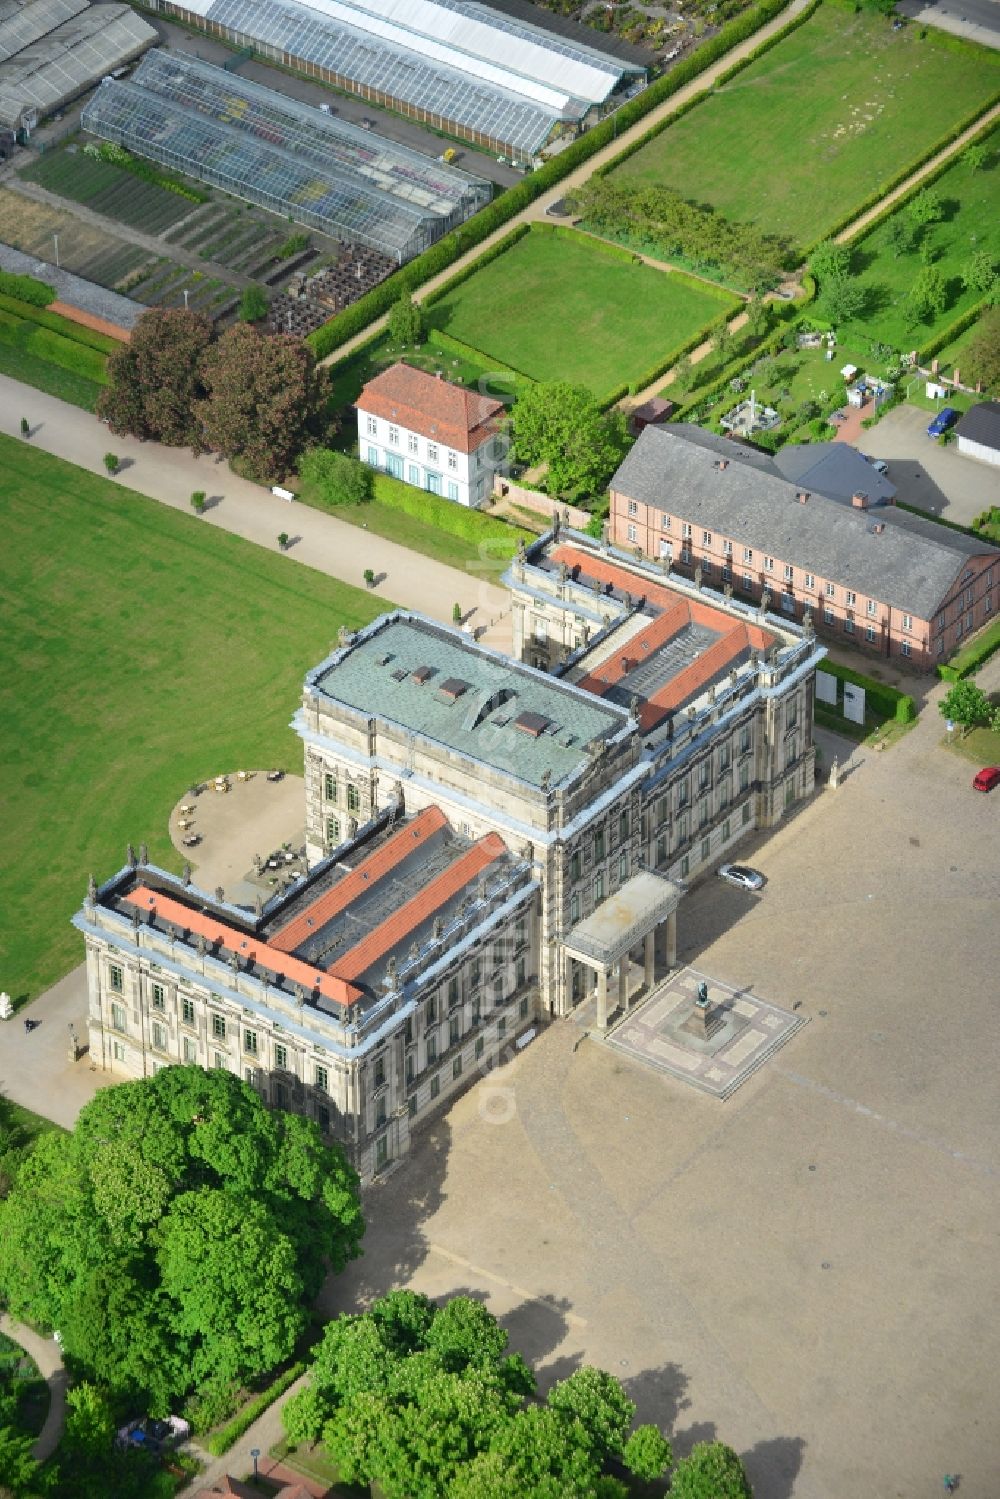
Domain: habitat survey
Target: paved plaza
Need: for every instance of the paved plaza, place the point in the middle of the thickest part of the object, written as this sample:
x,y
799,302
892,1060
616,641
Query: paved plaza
x,y
808,1270
716,1051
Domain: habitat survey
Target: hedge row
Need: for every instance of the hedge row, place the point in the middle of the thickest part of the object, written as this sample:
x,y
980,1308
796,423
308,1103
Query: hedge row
x,y
446,515
32,313
966,661
27,289
952,330
667,362
53,348
220,1441
614,396
447,250
493,253
616,252
886,701
770,345
439,339
901,176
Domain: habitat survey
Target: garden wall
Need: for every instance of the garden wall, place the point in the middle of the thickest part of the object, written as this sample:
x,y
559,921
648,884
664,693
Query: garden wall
x,y
540,504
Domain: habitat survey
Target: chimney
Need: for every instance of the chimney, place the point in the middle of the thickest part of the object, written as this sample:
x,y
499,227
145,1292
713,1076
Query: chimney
x,y
859,500
803,496
879,527
723,463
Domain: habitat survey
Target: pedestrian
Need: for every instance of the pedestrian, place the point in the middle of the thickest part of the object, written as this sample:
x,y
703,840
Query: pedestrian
x,y
950,1483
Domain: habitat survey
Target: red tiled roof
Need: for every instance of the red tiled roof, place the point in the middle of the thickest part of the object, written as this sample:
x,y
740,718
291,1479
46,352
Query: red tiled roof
x,y
736,637
368,873
265,956
397,927
446,413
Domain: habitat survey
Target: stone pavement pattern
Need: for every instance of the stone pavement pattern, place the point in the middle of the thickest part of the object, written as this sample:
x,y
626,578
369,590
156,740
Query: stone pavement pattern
x,y
332,546
45,1352
747,1031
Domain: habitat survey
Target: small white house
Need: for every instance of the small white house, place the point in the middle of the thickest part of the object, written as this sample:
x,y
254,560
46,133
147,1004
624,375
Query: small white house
x,y
430,433
978,432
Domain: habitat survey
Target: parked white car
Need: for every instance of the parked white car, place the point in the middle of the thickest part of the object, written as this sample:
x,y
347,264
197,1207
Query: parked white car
x,y
742,875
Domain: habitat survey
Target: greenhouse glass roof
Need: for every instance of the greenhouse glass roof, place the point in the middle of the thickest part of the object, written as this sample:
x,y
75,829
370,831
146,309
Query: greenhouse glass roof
x,y
287,156
439,56
60,65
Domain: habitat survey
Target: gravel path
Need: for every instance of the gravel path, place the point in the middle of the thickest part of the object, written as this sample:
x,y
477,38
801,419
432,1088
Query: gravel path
x,y
45,1352
74,290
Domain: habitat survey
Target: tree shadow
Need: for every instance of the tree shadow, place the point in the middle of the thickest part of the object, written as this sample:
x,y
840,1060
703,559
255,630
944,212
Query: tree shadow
x,y
773,1466
660,1395
699,1431
396,1207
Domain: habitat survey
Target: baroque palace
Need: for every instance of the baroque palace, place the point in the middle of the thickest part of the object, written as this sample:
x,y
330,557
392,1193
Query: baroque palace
x,y
491,840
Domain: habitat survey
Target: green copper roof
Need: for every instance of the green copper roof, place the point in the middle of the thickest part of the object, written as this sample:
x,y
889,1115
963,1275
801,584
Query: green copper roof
x,y
434,682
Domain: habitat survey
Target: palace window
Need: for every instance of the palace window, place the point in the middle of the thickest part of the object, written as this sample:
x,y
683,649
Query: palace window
x,y
115,978
158,997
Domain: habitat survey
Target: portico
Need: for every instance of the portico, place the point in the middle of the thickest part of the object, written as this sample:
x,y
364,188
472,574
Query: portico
x,y
645,906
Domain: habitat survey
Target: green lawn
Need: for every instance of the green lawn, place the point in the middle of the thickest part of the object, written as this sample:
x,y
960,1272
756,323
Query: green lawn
x,y
821,121
144,651
557,307
971,201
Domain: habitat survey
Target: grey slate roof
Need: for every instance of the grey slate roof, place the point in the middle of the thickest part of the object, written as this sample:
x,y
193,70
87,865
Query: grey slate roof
x,y
981,424
911,565
834,469
397,670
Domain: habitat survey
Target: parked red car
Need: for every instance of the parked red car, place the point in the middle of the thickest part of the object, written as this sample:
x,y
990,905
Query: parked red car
x,y
986,779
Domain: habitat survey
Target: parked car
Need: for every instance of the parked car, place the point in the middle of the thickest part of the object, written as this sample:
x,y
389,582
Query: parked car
x,y
945,418
742,875
987,778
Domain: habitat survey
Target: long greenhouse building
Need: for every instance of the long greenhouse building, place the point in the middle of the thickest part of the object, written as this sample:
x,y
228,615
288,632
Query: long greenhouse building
x,y
479,74
288,157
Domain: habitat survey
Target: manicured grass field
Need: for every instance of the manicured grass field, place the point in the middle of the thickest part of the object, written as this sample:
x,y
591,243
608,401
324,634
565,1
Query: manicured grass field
x,y
557,307
821,121
972,223
21,364
143,651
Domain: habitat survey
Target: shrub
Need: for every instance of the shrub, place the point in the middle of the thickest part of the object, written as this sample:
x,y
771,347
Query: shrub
x,y
282,540
221,1440
369,577
456,613
27,289
293,245
198,501
906,710
253,305
337,478
111,463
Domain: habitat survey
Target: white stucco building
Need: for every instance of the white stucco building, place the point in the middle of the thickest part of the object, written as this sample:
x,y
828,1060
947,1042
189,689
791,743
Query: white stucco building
x,y
430,433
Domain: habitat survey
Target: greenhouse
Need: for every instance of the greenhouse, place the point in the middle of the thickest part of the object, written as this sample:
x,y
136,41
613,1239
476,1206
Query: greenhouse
x,y
288,157
456,65
51,51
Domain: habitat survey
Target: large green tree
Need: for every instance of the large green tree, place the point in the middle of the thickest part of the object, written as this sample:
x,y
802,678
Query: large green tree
x,y
928,295
981,358
155,379
965,704
830,261
406,322
179,1233
711,1471
266,400
979,271
561,425
425,1401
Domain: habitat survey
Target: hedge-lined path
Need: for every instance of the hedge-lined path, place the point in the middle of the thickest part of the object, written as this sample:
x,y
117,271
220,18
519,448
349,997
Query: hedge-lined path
x,y
151,243
953,148
46,1354
318,539
536,211
263,1434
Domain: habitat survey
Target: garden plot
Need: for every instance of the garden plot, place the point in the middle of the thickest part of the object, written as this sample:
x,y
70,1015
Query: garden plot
x,y
108,189
814,127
